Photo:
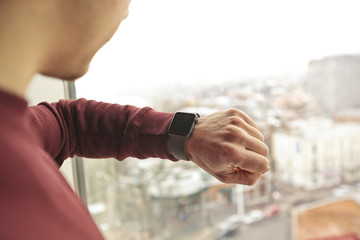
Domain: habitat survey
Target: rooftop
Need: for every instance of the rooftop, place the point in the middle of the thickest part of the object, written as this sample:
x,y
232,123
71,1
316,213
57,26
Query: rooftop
x,y
334,220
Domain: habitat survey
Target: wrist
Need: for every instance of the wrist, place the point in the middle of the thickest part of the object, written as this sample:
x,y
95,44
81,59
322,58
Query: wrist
x,y
179,131
193,143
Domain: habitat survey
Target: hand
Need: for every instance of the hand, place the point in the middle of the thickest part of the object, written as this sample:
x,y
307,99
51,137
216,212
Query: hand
x,y
229,146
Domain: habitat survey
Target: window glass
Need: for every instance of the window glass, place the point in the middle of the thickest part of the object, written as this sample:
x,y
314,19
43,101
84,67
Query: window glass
x,y
293,66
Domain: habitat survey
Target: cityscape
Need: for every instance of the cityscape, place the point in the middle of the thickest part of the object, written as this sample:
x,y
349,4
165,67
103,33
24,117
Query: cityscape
x,y
311,123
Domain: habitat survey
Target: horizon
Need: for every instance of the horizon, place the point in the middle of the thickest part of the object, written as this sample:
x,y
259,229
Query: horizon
x,y
217,42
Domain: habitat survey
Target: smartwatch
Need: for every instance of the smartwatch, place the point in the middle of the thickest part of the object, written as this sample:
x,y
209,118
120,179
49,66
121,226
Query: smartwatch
x,y
180,129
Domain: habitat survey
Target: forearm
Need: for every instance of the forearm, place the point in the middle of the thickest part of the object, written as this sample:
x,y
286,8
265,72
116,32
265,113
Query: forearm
x,y
96,130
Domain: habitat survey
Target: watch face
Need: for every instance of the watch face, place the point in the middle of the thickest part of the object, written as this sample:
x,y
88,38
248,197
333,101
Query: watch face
x,y
182,123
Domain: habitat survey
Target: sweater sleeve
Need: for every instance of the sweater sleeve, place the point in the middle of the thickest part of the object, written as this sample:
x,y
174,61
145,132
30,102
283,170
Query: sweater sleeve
x,y
98,130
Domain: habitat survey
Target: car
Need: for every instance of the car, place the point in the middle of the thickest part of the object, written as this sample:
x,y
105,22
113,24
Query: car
x,y
342,190
271,210
253,216
229,227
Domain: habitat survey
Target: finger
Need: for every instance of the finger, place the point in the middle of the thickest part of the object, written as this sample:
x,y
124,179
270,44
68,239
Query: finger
x,y
250,161
241,123
248,120
237,170
243,177
255,145
241,114
247,178
244,137
255,133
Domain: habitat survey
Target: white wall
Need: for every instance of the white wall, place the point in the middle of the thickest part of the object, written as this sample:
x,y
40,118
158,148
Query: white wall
x,y
325,157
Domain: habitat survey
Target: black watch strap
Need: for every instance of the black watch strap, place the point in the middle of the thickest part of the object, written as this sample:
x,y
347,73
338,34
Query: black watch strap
x,y
177,147
179,131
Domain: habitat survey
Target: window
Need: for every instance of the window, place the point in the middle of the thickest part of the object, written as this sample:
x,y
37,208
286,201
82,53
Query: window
x,y
292,66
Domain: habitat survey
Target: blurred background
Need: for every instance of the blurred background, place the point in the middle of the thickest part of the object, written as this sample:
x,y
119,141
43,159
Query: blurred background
x,y
293,66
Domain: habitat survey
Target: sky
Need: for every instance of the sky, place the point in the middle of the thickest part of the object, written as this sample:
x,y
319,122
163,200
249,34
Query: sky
x,y
207,41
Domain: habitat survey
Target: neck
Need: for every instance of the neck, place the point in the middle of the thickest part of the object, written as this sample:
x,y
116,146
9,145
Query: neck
x,y
20,51
15,73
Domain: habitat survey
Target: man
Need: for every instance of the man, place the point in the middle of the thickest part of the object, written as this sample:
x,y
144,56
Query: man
x,y
58,38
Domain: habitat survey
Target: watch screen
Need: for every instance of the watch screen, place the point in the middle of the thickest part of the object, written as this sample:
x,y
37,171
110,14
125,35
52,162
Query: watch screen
x,y
182,123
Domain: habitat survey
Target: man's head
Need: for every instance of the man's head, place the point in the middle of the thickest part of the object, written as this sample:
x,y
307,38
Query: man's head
x,y
84,27
66,33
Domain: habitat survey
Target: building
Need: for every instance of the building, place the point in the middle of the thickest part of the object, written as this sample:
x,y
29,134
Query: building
x,y
335,82
315,154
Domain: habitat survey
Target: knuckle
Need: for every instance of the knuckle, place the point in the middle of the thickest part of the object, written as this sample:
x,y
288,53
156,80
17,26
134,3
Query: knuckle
x,y
241,114
231,133
235,120
232,112
237,114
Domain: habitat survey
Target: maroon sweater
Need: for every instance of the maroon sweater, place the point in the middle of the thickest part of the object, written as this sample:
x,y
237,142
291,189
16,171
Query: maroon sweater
x,y
36,202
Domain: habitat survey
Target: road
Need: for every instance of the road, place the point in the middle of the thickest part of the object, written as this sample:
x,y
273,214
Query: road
x,y
277,227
